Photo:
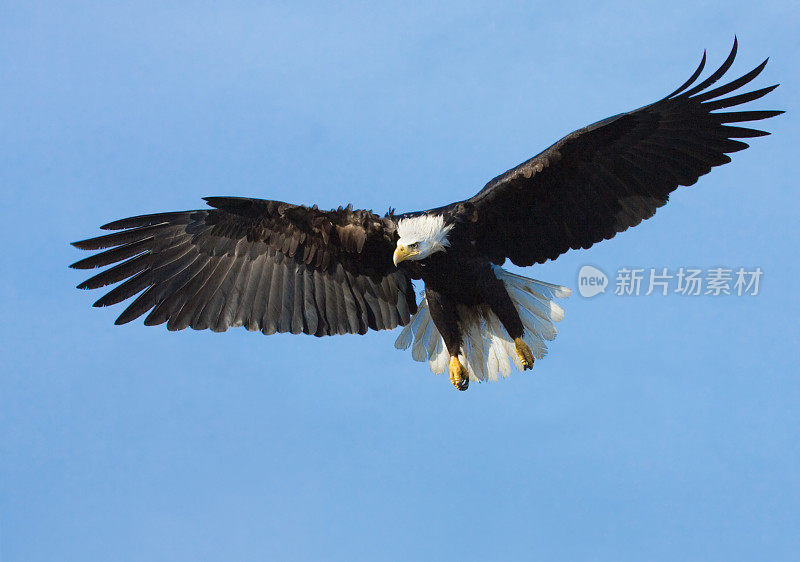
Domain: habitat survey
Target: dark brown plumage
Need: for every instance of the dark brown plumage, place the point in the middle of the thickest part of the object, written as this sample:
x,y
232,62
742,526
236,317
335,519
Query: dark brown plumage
x,y
278,267
607,177
265,265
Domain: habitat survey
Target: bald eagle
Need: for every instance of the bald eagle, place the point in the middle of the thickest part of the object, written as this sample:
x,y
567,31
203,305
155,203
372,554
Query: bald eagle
x,y
279,267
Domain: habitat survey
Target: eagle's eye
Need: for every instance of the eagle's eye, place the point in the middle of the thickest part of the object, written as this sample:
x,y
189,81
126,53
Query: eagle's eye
x,y
413,246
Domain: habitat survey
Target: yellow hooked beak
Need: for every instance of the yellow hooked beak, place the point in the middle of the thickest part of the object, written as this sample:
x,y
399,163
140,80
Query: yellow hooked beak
x,y
402,253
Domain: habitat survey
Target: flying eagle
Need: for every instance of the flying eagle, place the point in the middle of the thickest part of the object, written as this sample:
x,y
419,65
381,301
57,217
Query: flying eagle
x,y
279,267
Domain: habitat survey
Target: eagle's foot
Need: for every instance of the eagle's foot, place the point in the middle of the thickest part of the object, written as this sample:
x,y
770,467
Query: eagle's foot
x,y
458,374
524,354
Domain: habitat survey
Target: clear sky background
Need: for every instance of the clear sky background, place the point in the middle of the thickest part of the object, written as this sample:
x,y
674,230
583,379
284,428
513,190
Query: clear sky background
x,y
658,428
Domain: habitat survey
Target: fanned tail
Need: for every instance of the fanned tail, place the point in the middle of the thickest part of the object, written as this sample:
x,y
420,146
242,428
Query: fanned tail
x,y
487,350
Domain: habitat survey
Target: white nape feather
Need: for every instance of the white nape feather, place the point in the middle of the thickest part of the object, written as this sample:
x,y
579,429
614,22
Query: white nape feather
x,y
428,231
487,351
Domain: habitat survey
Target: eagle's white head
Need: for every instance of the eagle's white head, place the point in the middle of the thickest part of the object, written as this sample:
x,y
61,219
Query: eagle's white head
x,y
420,237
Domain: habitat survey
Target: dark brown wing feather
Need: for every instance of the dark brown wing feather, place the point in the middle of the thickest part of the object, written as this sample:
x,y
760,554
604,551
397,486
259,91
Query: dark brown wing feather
x,y
265,265
609,176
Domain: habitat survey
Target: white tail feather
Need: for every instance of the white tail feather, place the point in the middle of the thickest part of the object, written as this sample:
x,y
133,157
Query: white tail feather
x,y
487,350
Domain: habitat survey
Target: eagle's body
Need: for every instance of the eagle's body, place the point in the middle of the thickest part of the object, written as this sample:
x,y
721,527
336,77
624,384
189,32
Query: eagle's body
x,y
464,278
278,267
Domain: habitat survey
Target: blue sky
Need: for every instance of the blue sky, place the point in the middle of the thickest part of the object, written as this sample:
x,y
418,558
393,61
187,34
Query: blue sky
x,y
658,428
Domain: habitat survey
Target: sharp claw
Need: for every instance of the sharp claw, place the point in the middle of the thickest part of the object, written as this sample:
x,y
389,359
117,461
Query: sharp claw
x,y
458,374
524,353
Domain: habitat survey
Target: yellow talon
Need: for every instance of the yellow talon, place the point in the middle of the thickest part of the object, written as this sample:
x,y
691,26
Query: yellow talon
x,y
524,354
458,374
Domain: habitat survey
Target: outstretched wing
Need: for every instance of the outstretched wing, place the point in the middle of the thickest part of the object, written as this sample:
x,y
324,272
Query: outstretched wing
x,y
609,176
264,265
